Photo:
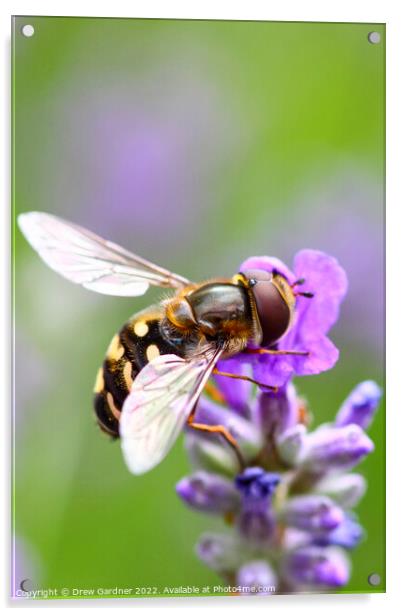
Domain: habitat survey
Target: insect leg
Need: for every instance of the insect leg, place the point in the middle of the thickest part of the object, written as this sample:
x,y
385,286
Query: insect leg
x,y
243,377
275,352
223,432
213,392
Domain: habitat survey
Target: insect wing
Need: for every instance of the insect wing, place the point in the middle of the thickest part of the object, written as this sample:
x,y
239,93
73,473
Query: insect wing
x,y
87,259
161,399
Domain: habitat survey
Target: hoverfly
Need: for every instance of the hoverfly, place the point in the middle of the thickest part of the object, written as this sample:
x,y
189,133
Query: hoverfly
x,y
157,366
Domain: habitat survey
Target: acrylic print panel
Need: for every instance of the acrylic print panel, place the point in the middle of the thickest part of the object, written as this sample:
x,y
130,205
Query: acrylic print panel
x,y
208,148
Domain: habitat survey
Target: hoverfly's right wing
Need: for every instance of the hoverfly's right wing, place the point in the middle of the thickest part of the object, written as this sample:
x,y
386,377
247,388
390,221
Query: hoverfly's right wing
x,y
161,399
87,259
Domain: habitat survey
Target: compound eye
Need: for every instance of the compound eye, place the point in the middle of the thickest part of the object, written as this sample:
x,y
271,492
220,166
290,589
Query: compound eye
x,y
272,309
273,312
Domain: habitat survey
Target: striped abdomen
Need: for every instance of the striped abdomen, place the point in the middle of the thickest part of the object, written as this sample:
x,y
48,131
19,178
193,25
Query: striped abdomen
x,y
139,341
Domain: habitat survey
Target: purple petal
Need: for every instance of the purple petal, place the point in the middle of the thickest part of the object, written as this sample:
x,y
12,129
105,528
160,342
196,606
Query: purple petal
x,y
208,492
256,484
276,371
235,391
256,577
360,406
322,356
327,280
271,370
317,567
267,264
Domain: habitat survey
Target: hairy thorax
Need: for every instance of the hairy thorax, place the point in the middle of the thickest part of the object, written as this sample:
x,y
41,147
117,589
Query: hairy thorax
x,y
218,311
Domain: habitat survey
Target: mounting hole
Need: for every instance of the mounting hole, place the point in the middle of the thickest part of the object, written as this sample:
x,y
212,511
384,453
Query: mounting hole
x,y
374,38
28,30
374,579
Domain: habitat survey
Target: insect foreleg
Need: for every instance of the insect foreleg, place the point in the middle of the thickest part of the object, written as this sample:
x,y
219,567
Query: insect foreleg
x,y
275,352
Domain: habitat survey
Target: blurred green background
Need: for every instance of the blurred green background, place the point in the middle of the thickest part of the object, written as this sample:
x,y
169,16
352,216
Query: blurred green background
x,y
195,144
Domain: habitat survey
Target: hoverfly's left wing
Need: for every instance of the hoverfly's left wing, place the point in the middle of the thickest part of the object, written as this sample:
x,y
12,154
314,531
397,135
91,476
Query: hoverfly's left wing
x,y
87,259
161,399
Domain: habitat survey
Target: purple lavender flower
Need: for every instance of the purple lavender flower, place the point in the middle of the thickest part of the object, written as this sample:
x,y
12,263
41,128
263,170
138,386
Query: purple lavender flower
x,y
289,510
325,278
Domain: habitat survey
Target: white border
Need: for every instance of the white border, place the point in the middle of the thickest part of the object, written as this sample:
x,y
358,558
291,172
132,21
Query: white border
x,y
285,10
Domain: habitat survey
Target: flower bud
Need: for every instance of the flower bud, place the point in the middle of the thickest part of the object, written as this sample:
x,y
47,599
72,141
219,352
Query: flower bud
x,y
210,453
347,535
208,492
291,444
221,552
331,448
360,406
312,513
274,413
316,567
256,577
246,434
346,490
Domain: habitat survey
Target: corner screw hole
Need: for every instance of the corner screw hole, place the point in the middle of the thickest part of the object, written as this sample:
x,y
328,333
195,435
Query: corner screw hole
x,y
374,38
374,579
28,30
